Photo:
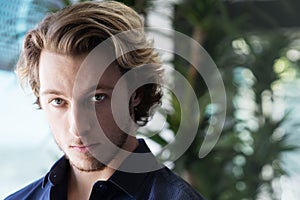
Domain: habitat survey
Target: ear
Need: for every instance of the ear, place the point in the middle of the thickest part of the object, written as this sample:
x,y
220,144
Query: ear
x,y
136,98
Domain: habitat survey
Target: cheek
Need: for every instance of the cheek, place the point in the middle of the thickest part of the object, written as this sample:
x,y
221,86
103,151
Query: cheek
x,y
104,117
54,120
57,123
106,121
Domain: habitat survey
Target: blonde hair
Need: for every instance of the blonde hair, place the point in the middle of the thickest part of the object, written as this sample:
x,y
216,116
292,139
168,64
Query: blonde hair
x,y
78,29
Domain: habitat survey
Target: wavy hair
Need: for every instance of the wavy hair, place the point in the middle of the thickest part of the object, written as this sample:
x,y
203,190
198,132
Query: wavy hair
x,y
78,29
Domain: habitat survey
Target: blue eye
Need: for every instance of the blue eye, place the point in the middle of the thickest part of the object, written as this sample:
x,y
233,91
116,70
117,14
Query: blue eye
x,y
98,97
57,102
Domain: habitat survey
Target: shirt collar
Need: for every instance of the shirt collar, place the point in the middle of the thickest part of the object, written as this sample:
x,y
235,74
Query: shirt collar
x,y
120,177
58,172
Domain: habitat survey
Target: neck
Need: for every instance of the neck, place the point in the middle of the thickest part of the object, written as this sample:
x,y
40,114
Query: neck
x,y
81,182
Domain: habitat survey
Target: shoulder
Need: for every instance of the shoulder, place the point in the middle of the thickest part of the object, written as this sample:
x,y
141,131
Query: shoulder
x,y
172,186
40,189
31,191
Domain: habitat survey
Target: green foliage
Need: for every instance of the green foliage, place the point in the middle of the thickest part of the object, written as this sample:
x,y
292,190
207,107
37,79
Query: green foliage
x,y
246,158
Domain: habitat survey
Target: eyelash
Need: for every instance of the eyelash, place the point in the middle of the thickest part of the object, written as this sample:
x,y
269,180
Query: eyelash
x,y
54,102
103,97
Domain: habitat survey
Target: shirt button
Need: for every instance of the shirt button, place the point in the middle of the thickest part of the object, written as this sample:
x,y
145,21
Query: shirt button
x,y
53,175
102,186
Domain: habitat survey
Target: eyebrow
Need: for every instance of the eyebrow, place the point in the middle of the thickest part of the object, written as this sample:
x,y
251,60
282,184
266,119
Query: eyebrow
x,y
52,91
99,87
89,90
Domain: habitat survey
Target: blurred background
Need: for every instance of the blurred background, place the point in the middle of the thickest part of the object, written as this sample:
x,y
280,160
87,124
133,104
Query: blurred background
x,y
256,47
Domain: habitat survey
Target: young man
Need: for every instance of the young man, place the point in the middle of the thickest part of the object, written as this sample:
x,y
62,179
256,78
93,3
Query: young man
x,y
74,61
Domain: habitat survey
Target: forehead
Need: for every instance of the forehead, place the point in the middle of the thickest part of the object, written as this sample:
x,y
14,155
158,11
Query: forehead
x,y
76,72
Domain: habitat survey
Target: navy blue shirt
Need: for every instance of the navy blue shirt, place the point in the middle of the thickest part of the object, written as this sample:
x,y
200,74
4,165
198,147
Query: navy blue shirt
x,y
160,184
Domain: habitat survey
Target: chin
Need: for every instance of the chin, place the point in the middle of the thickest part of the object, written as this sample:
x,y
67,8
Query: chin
x,y
84,162
88,164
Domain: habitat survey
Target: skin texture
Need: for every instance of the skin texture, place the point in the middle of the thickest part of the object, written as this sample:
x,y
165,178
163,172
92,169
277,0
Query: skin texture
x,y
78,109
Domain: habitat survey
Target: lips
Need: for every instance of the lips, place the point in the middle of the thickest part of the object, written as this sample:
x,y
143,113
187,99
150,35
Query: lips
x,y
82,148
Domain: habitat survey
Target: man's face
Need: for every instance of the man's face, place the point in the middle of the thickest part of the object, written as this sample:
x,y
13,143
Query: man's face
x,y
76,105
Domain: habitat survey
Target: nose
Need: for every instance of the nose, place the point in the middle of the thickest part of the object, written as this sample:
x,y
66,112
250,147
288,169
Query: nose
x,y
78,121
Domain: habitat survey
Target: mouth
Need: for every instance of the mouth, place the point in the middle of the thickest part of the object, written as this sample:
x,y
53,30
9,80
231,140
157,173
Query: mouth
x,y
83,148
